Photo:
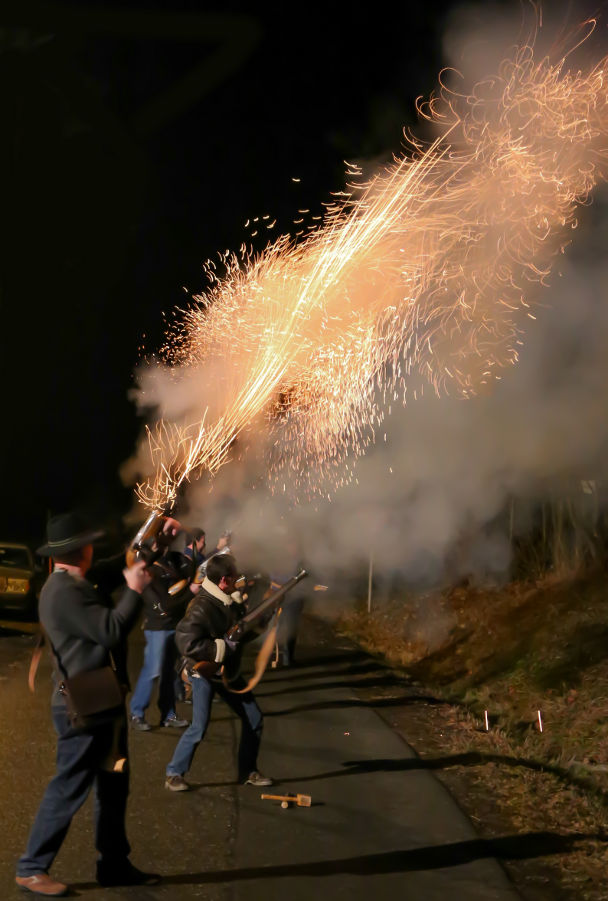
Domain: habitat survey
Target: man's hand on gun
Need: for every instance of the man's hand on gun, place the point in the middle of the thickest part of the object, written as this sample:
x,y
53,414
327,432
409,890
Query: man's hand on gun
x,y
170,528
137,576
153,537
162,541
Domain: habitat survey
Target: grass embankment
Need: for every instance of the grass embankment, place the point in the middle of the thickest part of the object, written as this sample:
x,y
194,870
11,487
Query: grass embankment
x,y
514,652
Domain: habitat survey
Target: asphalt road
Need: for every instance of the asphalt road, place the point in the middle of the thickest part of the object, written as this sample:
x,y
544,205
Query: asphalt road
x,y
379,826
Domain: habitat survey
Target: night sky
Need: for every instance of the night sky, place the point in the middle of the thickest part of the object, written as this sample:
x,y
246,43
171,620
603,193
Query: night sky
x,y
138,138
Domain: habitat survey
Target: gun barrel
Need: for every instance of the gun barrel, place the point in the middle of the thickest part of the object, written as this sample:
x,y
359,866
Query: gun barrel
x,y
239,629
148,530
150,527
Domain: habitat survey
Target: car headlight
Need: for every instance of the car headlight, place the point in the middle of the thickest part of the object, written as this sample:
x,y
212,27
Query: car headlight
x,y
17,586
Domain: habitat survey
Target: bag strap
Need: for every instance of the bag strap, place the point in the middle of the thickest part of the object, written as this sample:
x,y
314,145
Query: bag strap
x,y
261,662
35,661
41,640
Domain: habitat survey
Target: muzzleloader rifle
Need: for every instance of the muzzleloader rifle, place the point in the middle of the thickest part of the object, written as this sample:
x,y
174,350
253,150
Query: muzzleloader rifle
x,y
207,668
149,544
146,545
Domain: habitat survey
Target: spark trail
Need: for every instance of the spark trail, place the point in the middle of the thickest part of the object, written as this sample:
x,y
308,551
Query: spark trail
x,y
423,275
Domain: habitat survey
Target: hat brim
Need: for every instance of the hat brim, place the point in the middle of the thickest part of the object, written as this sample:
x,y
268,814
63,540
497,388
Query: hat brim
x,y
56,549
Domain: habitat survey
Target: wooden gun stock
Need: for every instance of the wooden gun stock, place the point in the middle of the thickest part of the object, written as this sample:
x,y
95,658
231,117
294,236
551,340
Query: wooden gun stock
x,y
207,668
199,575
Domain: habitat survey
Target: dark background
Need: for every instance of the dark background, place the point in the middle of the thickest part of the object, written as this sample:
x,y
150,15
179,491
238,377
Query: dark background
x,y
137,139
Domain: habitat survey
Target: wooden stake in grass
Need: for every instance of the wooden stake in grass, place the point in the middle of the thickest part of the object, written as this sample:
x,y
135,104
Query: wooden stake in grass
x,y
540,721
487,721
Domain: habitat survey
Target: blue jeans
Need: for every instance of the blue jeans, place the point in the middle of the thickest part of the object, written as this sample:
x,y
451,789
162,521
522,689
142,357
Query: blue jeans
x,y
81,762
245,708
159,661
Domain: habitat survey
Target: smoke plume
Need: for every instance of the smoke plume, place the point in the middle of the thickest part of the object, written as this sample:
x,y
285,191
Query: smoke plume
x,y
428,498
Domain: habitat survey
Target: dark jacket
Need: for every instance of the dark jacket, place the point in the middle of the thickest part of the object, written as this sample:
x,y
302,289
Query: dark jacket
x,y
82,623
162,612
209,618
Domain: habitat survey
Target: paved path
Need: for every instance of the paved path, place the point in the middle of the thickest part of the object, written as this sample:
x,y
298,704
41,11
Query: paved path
x,y
379,827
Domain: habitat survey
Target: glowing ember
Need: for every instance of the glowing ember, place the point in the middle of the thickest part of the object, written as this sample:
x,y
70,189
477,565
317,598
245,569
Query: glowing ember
x,y
425,274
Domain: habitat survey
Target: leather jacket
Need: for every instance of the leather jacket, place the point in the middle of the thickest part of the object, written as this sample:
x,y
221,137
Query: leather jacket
x,y
200,634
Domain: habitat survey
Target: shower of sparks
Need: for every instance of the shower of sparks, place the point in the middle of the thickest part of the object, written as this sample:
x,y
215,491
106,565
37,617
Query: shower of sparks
x,y
425,274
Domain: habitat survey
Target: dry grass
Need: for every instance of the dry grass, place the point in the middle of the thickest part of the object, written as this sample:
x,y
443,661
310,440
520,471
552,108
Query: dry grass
x,y
528,647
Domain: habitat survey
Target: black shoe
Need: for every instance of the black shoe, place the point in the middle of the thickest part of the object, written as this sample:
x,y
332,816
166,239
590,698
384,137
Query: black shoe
x,y
124,873
139,724
256,778
173,722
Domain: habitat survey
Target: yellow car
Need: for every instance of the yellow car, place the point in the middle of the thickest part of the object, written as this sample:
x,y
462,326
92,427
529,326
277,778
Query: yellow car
x,y
20,578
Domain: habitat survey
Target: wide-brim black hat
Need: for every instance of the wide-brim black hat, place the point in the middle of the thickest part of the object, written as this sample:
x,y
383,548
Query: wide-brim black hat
x,y
67,532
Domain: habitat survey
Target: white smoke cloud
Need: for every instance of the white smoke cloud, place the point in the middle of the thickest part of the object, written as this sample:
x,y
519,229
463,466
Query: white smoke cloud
x,y
449,466
433,495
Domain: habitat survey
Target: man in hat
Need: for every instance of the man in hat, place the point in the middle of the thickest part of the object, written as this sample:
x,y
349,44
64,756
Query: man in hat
x,y
85,632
